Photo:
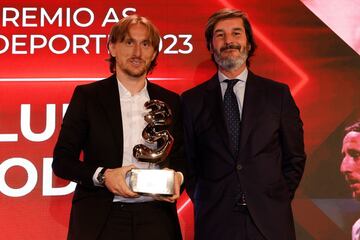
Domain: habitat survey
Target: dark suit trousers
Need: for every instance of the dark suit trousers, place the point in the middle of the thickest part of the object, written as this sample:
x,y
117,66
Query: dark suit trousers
x,y
240,227
247,227
138,221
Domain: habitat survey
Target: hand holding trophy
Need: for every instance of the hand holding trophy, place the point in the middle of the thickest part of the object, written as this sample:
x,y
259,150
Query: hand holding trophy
x,y
154,181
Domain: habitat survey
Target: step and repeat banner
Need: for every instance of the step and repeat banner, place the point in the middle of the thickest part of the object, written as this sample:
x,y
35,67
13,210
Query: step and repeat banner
x,y
49,47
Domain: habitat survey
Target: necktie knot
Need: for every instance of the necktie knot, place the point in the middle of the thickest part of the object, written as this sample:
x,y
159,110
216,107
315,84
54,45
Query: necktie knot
x,y
231,83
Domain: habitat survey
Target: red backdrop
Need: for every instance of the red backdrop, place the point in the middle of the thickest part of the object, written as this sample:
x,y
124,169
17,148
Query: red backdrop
x,y
47,48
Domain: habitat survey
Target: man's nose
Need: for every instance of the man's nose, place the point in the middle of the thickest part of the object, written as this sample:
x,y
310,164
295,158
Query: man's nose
x,y
137,50
346,165
229,39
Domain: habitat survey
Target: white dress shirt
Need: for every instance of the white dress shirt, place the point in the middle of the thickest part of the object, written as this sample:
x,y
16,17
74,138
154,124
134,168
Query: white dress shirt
x,y
133,123
239,88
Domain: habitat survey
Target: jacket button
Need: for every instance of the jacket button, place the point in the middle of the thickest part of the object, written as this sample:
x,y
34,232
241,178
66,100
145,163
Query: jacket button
x,y
239,167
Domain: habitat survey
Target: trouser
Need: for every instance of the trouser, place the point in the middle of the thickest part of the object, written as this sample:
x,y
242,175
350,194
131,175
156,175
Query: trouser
x,y
138,221
247,228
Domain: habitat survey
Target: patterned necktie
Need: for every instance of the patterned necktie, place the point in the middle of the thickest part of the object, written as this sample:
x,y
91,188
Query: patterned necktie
x,y
232,115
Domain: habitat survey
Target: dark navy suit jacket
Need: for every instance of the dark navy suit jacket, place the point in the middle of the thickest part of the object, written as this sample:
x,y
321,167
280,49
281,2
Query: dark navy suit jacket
x,y
268,168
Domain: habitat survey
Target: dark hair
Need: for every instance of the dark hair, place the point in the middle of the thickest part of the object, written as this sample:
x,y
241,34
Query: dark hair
x,y
121,29
353,128
227,14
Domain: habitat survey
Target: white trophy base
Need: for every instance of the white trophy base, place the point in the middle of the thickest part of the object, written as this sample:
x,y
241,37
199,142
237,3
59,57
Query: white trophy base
x,y
152,181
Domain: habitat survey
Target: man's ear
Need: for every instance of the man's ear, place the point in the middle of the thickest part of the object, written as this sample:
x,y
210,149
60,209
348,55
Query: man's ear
x,y
112,49
211,50
154,55
248,47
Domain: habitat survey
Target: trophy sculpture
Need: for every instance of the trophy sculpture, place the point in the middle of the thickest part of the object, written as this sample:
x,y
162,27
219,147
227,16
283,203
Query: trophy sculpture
x,y
154,181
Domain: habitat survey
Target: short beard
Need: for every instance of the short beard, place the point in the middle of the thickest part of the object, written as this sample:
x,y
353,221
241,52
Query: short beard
x,y
136,74
133,74
231,63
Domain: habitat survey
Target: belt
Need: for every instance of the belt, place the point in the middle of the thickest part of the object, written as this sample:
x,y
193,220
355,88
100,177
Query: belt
x,y
138,205
241,200
240,204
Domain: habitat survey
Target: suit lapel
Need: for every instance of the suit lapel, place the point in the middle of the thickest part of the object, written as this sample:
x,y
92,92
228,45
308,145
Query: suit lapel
x,y
214,101
110,100
152,90
254,101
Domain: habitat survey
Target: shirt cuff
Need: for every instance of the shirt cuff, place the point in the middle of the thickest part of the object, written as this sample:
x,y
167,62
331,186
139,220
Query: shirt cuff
x,y
94,178
182,177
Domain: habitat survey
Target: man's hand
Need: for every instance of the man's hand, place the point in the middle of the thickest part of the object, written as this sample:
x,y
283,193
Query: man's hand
x,y
177,184
115,181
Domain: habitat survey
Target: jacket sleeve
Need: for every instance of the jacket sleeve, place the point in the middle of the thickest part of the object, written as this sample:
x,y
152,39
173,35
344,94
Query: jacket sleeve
x,y
71,141
176,157
191,176
292,142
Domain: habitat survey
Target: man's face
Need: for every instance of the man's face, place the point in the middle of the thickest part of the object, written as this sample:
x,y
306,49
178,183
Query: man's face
x,y
229,44
350,165
135,54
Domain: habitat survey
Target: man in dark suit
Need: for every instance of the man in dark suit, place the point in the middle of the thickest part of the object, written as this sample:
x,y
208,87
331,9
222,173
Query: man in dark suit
x,y
243,141
105,120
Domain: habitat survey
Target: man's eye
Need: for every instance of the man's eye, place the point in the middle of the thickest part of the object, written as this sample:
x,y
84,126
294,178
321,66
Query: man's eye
x,y
354,154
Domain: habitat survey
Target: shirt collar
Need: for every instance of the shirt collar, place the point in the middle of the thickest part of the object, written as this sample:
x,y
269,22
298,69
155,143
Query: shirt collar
x,y
124,92
242,76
